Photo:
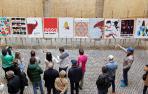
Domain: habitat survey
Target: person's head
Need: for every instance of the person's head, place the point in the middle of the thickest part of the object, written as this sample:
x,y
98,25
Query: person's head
x,y
32,53
74,62
62,74
15,63
50,66
104,69
9,49
130,51
4,51
81,51
110,58
32,60
61,49
9,74
49,56
17,55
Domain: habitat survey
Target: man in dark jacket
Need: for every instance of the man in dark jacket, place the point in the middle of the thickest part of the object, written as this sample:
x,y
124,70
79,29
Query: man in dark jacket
x,y
13,83
34,73
75,75
49,76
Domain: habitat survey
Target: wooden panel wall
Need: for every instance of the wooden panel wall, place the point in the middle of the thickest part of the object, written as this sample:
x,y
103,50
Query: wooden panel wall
x,y
125,8
22,8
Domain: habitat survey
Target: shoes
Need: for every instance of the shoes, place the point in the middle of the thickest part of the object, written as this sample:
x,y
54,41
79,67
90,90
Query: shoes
x,y
80,88
123,84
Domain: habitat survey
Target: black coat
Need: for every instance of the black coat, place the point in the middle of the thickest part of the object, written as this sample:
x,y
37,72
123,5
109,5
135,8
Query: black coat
x,y
75,74
49,76
14,85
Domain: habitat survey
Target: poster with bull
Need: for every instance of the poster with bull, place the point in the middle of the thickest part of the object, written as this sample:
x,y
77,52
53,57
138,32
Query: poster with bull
x,y
34,27
66,27
81,27
50,27
96,28
4,26
18,27
112,28
127,28
141,28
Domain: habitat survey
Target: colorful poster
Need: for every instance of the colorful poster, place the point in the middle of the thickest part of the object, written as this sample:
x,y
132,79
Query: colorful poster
x,y
66,27
34,27
51,27
18,26
81,27
112,28
141,28
127,28
96,27
4,26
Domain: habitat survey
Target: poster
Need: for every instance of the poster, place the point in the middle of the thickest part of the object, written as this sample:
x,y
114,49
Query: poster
x,y
141,28
112,28
96,27
66,27
81,27
4,26
34,27
51,27
18,26
127,28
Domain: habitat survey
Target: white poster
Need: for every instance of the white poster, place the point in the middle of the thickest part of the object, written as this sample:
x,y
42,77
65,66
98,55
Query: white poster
x,y
34,27
66,27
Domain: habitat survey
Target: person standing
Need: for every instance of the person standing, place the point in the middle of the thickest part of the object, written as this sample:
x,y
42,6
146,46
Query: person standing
x,y
13,83
127,63
34,72
75,75
49,76
61,83
103,82
112,67
49,59
64,60
82,60
145,78
33,54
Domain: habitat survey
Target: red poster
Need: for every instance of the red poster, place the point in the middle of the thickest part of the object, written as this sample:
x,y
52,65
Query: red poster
x,y
50,25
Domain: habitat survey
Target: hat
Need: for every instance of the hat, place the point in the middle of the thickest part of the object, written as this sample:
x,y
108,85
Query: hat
x,y
130,49
74,62
110,57
10,74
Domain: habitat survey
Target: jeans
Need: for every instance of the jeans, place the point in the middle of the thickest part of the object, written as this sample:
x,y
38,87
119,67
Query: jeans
x,y
35,85
49,90
125,76
102,91
74,86
65,69
113,84
145,89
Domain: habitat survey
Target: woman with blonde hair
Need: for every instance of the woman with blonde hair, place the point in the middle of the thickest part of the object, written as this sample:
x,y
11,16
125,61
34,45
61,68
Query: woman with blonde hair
x,y
61,83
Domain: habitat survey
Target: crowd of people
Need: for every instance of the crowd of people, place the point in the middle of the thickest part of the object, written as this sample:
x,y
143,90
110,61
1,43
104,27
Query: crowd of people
x,y
70,72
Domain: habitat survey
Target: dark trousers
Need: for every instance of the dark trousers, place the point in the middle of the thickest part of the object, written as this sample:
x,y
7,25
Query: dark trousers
x,y
22,90
145,89
74,86
113,84
49,90
102,91
65,69
125,76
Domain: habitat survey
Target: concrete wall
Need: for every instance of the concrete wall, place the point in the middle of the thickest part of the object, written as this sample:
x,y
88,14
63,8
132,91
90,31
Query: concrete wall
x,y
125,8
22,8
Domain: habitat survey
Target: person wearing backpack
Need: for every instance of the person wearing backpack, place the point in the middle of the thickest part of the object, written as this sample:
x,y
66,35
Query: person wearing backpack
x,y
112,67
145,78
103,82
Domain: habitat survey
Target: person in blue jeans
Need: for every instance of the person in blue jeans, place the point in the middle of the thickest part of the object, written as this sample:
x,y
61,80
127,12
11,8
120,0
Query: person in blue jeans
x,y
112,67
34,72
127,63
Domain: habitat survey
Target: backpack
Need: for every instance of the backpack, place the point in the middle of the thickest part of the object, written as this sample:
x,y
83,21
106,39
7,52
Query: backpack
x,y
103,81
